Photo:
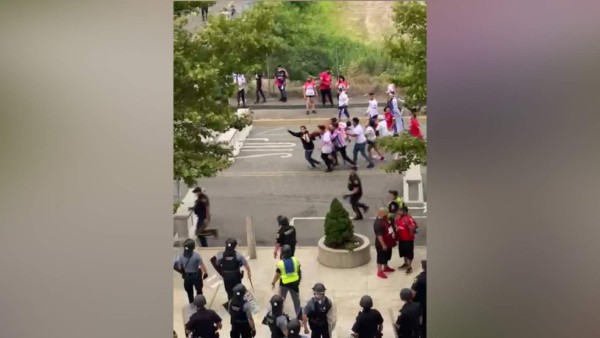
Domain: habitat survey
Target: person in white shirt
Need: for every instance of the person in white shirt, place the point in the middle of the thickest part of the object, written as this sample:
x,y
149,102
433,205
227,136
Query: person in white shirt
x,y
326,147
382,127
240,81
343,101
396,105
372,108
371,136
361,142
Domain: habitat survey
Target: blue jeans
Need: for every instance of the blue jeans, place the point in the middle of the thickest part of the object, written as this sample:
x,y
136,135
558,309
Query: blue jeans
x,y
362,149
308,157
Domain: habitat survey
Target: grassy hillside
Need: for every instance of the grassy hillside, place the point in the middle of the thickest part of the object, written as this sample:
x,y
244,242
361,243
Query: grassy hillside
x,y
366,20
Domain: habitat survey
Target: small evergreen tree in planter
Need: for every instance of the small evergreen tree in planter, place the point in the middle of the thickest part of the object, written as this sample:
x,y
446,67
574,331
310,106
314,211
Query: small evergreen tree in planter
x,y
339,230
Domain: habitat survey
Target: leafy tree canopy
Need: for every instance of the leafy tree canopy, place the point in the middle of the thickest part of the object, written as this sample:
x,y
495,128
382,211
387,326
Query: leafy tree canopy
x,y
411,151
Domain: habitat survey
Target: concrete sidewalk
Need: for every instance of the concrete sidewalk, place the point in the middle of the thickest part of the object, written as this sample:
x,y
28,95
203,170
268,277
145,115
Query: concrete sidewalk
x,y
344,287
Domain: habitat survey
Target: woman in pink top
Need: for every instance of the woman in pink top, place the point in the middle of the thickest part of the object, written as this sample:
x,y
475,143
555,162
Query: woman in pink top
x,y
309,92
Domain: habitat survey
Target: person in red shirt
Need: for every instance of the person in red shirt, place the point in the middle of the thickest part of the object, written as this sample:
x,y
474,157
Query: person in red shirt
x,y
341,84
385,241
325,86
405,230
389,120
415,131
310,90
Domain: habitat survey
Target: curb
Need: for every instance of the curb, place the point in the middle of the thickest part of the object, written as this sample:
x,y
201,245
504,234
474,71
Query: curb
x,y
308,120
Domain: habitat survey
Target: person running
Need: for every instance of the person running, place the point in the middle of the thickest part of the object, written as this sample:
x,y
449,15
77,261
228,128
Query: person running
x,y
341,84
338,136
240,81
414,130
259,90
309,95
396,105
325,86
372,111
343,101
361,142
371,136
281,76
356,192
326,147
405,228
385,241
307,144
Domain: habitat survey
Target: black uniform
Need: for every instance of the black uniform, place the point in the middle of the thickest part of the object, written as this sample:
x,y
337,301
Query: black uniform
x,y
367,323
200,209
271,321
408,321
354,182
420,286
259,91
202,324
239,319
230,271
317,318
287,235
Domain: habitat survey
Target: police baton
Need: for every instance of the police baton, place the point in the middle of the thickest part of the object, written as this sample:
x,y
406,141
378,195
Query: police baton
x,y
251,284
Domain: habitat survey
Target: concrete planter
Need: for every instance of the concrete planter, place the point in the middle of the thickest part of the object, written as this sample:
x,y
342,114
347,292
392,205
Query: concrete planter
x,y
344,259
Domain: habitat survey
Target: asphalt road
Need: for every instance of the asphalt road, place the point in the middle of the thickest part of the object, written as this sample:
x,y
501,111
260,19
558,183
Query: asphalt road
x,y
271,177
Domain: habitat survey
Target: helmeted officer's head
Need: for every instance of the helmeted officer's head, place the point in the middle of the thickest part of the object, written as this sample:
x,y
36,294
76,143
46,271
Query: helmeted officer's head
x,y
406,294
197,191
366,302
276,303
200,301
319,290
293,327
282,220
188,247
239,291
286,251
353,170
230,244
404,210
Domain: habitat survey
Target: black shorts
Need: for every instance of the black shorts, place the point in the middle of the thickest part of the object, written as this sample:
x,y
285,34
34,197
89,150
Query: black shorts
x,y
407,249
310,96
383,256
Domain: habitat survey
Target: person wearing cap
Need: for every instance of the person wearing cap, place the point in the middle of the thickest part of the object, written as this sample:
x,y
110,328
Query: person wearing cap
x,y
360,146
276,319
204,323
228,264
202,210
420,289
190,265
395,204
369,322
385,241
288,273
293,327
408,321
286,235
318,313
355,187
406,228
242,323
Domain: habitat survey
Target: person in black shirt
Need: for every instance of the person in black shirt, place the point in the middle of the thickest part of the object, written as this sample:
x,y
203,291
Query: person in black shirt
x,y
281,76
420,288
408,322
369,322
204,323
204,9
355,186
259,90
307,143
286,235
202,210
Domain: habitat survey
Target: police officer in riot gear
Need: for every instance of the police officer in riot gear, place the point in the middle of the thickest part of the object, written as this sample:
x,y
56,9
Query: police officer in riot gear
x,y
204,323
317,313
409,319
294,329
228,264
192,269
242,323
276,319
286,235
420,288
289,275
369,322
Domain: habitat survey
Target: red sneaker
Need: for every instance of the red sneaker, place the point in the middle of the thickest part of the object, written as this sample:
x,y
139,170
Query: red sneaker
x,y
380,274
388,269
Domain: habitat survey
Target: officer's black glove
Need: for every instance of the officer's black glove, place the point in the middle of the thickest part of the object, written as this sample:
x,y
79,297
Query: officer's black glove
x,y
253,333
205,276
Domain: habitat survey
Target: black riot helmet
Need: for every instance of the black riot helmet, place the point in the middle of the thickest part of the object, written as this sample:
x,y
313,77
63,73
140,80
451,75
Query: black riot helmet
x,y
286,251
188,247
366,302
293,327
239,291
276,303
319,288
230,244
283,221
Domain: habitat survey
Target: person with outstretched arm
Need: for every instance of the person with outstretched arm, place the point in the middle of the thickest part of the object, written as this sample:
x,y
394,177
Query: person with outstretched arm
x,y
307,144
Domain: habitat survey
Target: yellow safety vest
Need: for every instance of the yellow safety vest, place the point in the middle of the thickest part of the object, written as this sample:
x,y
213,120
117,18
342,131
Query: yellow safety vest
x,y
399,201
289,277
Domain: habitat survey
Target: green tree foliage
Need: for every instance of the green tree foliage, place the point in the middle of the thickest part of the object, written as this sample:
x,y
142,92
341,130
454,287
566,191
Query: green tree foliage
x,y
411,151
339,229
408,45
203,65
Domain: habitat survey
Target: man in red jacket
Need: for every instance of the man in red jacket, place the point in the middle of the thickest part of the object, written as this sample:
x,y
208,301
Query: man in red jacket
x,y
405,229
325,85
